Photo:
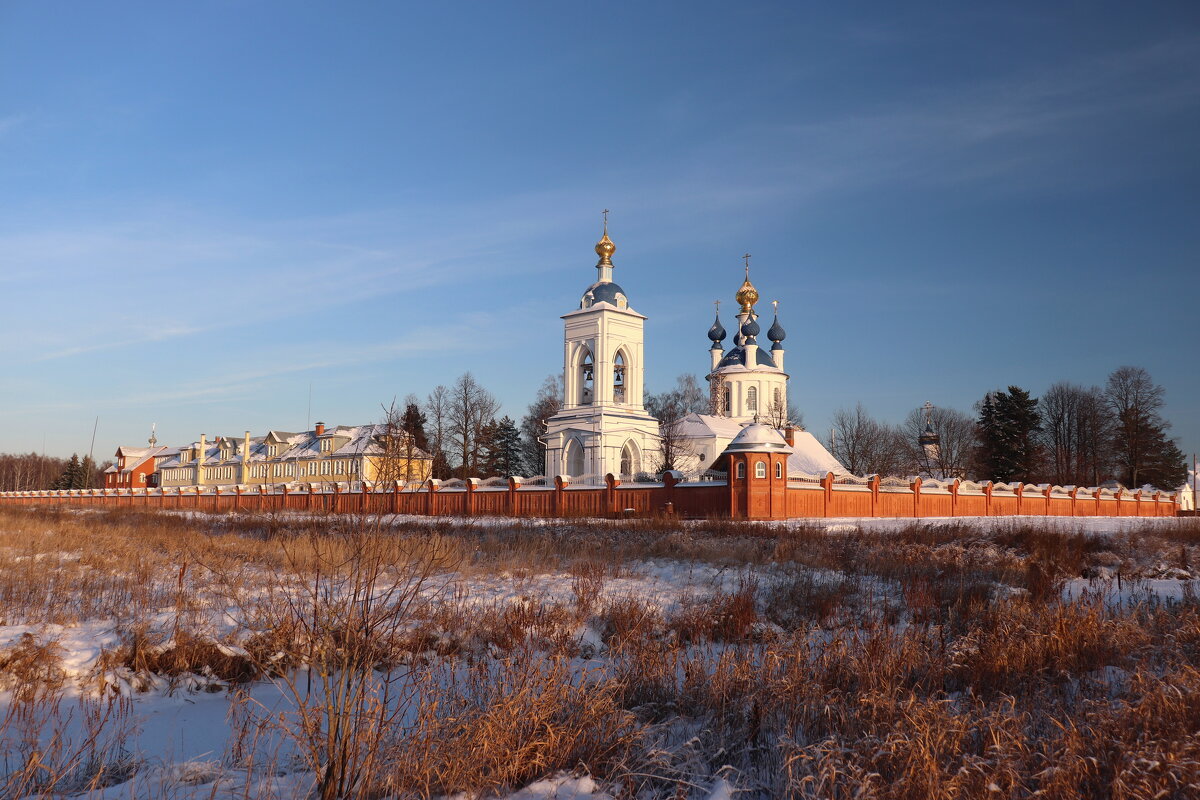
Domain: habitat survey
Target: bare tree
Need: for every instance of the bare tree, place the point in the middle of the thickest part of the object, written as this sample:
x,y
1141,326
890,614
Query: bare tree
x,y
671,408
1076,434
863,445
956,440
1143,452
437,409
783,414
471,408
533,424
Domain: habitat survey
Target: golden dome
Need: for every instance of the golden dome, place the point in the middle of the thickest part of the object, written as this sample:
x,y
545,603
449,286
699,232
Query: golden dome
x,y
605,248
747,296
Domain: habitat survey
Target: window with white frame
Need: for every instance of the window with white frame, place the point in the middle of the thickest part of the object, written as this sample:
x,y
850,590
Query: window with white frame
x,y
760,469
778,470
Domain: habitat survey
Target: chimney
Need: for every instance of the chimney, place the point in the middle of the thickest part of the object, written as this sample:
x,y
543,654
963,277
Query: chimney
x,y
200,453
789,434
320,429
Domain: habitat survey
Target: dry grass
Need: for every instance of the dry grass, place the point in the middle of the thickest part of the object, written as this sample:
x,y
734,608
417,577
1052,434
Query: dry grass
x,y
928,662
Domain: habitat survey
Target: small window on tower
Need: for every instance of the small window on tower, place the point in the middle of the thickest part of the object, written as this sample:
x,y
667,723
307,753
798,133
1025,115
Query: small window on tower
x,y
778,470
752,400
760,469
741,469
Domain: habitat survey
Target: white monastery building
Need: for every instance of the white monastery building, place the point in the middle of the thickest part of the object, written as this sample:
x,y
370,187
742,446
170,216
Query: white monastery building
x,y
603,426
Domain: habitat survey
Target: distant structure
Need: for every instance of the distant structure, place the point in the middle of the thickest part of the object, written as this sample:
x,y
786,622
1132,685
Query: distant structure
x,y
322,455
931,444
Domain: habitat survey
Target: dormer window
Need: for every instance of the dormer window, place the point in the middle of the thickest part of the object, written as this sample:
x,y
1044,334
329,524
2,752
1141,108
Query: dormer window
x,y
326,445
272,450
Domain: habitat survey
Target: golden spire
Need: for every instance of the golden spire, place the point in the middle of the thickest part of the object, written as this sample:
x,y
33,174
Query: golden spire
x,y
605,247
747,295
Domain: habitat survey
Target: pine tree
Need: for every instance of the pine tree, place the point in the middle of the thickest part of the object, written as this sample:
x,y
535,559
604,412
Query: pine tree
x,y
412,422
71,475
1007,430
504,449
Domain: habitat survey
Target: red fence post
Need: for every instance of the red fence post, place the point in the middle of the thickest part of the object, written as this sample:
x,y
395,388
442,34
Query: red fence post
x,y
1020,497
514,483
954,497
826,484
432,487
987,499
610,494
469,505
916,490
874,495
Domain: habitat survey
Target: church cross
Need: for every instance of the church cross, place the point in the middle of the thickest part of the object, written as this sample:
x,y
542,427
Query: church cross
x,y
747,257
606,220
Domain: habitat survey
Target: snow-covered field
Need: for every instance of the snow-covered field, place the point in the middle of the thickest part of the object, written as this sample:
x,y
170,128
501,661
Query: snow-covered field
x,y
167,656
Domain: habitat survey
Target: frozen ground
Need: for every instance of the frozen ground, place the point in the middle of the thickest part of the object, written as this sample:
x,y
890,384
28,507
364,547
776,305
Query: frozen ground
x,y
179,731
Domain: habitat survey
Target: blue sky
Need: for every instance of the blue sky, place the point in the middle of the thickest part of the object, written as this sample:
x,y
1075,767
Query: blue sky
x,y
207,207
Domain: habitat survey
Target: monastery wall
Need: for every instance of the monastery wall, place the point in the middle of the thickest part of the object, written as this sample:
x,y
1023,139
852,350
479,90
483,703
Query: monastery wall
x,y
803,497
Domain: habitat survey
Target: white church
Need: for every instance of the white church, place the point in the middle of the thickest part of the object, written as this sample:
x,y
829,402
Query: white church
x,y
603,427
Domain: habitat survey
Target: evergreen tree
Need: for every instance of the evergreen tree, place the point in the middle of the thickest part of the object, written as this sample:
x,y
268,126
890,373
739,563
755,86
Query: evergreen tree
x,y
72,475
1007,432
412,422
504,448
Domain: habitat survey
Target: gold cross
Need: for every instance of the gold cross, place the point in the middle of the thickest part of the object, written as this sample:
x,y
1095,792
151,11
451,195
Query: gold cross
x,y
717,303
747,257
606,220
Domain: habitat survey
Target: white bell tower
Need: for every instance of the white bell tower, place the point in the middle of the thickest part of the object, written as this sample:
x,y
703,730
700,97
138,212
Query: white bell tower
x,y
602,426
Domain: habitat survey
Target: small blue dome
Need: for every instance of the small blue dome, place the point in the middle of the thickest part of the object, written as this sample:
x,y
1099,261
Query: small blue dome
x,y
750,328
776,346
717,331
776,334
604,292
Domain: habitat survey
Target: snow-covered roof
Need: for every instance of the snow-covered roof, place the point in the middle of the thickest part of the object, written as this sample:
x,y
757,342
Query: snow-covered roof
x,y
809,457
758,438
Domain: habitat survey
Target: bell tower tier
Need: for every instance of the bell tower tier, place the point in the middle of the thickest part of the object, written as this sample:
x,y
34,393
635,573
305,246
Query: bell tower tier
x,y
602,426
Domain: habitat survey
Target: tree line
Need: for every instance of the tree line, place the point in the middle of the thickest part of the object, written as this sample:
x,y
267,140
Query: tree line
x,y
1071,435
32,471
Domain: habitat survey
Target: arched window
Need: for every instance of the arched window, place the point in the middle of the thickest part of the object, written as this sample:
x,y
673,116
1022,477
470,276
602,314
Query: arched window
x,y
630,463
619,378
587,382
778,470
741,469
760,469
752,400
779,410
573,458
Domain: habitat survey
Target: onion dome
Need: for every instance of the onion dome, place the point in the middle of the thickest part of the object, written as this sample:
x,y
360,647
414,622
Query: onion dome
x,y
776,333
717,332
605,248
928,436
750,328
747,295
